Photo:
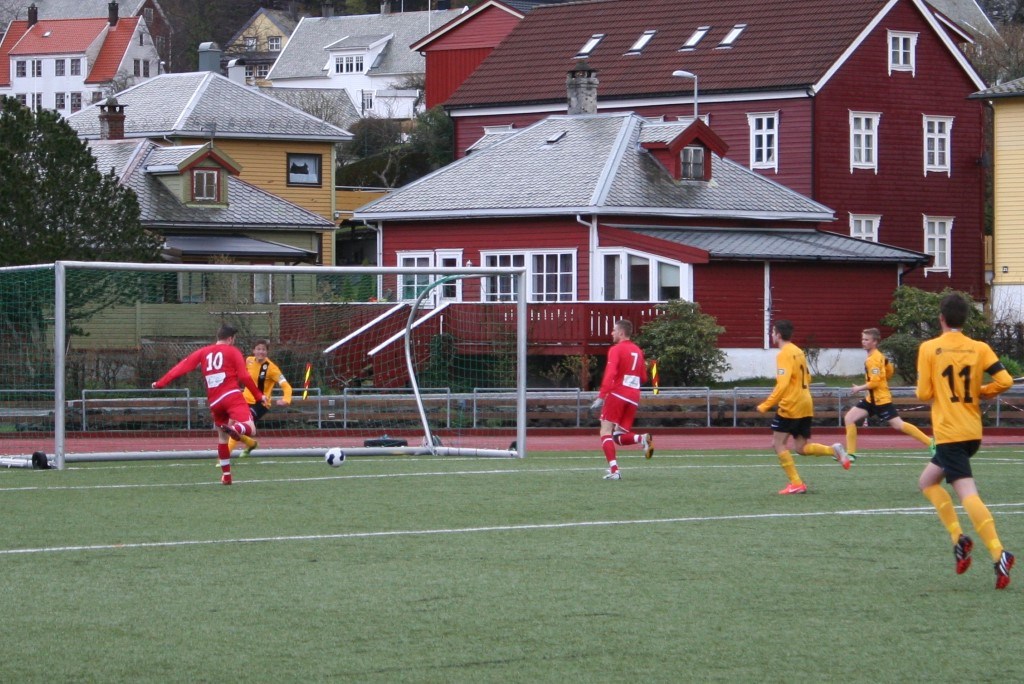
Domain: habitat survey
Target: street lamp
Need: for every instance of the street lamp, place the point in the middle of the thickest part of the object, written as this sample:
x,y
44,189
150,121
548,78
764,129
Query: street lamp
x,y
680,73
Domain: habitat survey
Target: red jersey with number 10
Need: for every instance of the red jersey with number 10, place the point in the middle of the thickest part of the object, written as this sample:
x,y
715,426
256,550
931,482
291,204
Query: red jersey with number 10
x,y
625,371
223,369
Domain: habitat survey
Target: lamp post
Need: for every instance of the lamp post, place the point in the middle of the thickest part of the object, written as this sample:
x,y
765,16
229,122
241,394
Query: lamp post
x,y
681,73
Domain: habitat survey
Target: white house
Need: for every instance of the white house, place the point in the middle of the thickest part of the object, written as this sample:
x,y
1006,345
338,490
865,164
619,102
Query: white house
x,y
366,55
66,64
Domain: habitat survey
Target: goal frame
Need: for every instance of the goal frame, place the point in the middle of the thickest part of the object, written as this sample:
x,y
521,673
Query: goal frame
x,y
60,342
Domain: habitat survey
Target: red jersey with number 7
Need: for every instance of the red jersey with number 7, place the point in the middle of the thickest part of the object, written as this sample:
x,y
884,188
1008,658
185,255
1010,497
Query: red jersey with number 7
x,y
625,371
223,369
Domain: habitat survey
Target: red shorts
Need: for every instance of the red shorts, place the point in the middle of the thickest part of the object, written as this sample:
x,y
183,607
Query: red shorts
x,y
619,411
232,406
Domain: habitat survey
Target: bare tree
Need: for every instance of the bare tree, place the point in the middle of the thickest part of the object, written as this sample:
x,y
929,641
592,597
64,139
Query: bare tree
x,y
999,58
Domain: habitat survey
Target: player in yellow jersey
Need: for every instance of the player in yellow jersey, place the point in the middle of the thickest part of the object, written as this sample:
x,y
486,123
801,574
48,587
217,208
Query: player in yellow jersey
x,y
949,375
878,399
266,374
795,409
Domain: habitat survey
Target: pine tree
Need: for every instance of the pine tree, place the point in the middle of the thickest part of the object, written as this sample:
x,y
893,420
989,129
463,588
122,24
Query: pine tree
x,y
54,202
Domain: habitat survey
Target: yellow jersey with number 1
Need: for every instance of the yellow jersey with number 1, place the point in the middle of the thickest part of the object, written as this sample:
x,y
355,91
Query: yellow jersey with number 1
x,y
792,393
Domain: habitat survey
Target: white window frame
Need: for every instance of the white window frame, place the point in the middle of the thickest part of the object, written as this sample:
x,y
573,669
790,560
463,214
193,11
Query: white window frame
x,y
59,67
902,49
366,100
348,64
938,239
274,43
589,46
262,70
554,286
865,226
204,180
693,160
764,140
938,144
642,42
732,36
655,264
251,43
59,101
695,37
410,286
37,68
501,289
864,141
75,68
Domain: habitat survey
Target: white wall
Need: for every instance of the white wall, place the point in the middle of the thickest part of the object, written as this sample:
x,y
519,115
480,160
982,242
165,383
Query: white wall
x,y
760,363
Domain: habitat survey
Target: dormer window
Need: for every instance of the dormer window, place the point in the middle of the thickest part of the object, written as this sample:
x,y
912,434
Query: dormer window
x,y
691,161
695,38
589,46
732,35
205,185
902,46
641,43
348,64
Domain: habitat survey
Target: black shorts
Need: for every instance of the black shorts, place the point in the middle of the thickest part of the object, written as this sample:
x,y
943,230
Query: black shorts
x,y
884,412
955,458
258,410
798,427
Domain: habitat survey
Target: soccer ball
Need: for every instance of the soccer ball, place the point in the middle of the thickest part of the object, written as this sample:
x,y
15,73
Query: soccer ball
x,y
334,457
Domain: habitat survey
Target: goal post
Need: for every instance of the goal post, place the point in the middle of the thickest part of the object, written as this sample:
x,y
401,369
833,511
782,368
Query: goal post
x,y
380,360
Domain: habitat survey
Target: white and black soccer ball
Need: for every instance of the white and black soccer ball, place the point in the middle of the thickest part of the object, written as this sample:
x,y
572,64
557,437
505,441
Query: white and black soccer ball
x,y
334,457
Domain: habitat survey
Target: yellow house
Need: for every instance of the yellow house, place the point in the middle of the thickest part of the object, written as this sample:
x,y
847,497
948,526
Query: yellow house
x,y
277,148
1007,287
260,41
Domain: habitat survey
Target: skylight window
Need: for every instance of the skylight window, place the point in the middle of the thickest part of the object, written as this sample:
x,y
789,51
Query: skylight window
x,y
695,38
733,34
589,46
641,43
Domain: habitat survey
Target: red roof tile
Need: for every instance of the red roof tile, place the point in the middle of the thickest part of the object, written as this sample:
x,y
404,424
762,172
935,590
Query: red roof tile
x,y
786,44
14,32
118,40
59,36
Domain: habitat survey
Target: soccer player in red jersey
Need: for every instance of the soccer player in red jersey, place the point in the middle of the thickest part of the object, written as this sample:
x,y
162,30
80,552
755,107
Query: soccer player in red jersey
x,y
223,369
619,397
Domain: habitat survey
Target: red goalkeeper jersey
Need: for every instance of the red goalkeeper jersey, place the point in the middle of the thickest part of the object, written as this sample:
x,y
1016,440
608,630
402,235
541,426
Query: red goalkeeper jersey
x,y
625,371
223,369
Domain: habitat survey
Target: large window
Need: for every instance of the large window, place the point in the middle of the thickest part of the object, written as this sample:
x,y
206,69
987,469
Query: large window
x,y
411,285
501,288
864,140
21,68
348,64
865,226
902,48
205,185
304,169
937,233
58,67
639,278
937,130
553,278
764,140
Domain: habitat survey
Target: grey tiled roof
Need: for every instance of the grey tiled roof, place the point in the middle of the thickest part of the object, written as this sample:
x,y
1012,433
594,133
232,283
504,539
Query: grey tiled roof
x,y
78,9
304,55
967,14
792,244
588,164
333,105
248,208
1014,88
204,104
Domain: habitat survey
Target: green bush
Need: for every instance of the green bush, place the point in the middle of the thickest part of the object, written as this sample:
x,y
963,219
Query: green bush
x,y
684,340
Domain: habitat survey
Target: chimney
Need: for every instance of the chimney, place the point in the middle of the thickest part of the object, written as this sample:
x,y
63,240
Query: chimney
x,y
385,7
112,14
112,120
236,70
327,9
581,88
209,57
33,15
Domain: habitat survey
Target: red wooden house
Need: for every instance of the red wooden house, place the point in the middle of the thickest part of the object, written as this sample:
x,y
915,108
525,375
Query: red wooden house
x,y
861,105
612,213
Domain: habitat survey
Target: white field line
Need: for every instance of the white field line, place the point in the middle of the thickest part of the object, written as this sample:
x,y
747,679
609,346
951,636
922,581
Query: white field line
x,y
475,530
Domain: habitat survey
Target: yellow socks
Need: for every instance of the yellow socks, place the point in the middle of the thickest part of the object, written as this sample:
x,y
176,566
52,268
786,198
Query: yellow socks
x,y
943,503
786,461
980,517
914,432
813,449
851,438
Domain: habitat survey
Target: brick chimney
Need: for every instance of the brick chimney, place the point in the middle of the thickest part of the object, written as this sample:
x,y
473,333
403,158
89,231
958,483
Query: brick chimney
x,y
112,120
112,14
581,88
33,15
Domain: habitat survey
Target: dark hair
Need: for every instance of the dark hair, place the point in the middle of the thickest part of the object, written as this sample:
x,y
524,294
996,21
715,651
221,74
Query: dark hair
x,y
954,310
784,328
265,343
225,331
626,326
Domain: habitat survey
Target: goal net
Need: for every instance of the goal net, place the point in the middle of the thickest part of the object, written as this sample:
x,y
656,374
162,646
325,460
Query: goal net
x,y
379,360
